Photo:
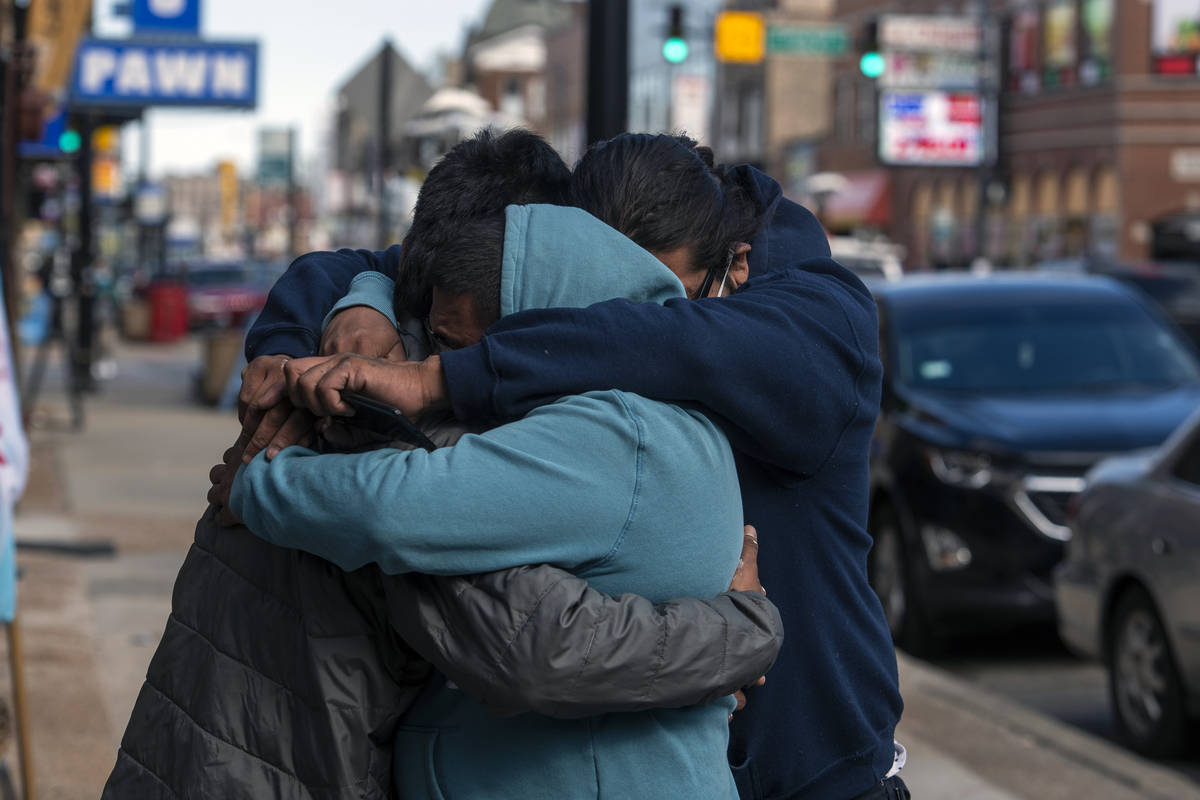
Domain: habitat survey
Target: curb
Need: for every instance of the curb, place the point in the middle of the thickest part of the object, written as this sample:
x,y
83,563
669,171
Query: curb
x,y
1026,751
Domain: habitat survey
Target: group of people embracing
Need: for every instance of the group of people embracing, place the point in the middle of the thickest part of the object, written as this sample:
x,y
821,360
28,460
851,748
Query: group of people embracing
x,y
616,368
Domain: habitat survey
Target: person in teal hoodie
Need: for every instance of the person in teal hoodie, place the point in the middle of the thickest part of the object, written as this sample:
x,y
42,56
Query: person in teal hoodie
x,y
632,494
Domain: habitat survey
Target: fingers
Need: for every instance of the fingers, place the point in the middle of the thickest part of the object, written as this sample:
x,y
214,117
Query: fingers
x,y
260,382
262,434
296,429
316,383
227,518
745,578
740,696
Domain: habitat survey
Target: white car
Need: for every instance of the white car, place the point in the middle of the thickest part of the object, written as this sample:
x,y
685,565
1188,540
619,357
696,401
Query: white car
x,y
868,260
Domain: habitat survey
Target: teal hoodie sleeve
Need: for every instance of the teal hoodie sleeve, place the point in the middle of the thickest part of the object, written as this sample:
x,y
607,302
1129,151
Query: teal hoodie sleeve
x,y
290,323
557,487
371,289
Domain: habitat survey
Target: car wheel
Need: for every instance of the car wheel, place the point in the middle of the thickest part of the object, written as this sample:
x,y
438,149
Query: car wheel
x,y
1144,687
891,575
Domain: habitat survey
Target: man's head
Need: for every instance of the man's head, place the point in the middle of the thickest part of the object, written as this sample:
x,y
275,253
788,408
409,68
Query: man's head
x,y
664,193
475,180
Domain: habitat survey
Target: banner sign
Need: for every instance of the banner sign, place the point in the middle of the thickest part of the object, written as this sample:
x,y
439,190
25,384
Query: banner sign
x,y
1175,46
923,33
123,73
178,17
14,468
937,128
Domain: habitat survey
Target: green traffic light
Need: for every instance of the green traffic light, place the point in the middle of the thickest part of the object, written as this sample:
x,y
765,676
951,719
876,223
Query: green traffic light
x,y
69,141
872,65
675,50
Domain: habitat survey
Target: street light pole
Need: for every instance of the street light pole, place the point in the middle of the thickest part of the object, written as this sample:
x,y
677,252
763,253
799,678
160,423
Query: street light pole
x,y
989,104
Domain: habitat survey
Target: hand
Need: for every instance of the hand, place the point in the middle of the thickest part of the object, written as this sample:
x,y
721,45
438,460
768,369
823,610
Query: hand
x,y
317,383
362,329
269,421
222,476
740,696
745,577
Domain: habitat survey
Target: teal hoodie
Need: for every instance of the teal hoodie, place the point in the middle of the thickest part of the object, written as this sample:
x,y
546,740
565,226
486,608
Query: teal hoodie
x,y
633,494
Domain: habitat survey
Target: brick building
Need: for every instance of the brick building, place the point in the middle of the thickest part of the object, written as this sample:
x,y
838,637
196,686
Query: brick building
x,y
1099,139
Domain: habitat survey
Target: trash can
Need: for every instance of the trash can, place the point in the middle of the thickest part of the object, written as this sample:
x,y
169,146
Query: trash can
x,y
222,351
168,311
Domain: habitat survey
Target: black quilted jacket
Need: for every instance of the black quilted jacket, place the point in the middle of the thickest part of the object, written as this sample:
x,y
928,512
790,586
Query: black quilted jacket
x,y
280,676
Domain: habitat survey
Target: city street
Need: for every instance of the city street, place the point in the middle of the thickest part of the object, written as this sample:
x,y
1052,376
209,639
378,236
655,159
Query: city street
x,y
134,480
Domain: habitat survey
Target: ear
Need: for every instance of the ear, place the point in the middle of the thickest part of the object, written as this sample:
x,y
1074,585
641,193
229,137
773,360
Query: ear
x,y
739,268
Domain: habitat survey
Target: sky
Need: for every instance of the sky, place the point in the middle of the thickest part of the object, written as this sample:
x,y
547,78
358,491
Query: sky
x,y
307,48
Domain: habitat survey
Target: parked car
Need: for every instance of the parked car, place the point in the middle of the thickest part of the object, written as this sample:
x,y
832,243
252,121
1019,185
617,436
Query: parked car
x,y
999,394
221,295
868,260
1128,592
1174,285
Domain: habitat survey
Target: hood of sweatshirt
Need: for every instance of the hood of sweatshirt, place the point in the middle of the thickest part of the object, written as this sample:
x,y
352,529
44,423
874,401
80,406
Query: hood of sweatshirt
x,y
558,257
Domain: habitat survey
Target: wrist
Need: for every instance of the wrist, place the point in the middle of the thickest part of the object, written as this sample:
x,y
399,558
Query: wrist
x,y
433,384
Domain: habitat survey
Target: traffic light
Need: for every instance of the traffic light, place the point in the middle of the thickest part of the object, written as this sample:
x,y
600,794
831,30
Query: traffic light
x,y
69,141
871,62
675,46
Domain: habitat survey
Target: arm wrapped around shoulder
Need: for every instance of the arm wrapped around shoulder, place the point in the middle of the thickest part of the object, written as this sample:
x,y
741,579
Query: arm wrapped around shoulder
x,y
538,639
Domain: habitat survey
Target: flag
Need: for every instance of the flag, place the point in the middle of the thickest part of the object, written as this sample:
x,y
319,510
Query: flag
x,y
14,468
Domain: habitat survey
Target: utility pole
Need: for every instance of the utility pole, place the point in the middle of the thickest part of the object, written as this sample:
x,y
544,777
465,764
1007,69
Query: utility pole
x,y
607,69
293,195
384,145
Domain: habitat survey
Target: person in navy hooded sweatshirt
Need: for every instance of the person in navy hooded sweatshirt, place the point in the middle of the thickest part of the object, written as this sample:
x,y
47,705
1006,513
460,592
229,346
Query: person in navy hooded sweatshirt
x,y
788,366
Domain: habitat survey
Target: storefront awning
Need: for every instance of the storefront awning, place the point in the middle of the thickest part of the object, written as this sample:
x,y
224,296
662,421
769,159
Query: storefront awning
x,y
865,200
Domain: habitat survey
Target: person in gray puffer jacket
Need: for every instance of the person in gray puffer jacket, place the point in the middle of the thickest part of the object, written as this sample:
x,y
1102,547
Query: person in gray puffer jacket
x,y
281,676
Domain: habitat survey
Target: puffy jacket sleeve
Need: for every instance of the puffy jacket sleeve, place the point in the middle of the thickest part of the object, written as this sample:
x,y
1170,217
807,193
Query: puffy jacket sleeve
x,y
290,323
538,639
783,365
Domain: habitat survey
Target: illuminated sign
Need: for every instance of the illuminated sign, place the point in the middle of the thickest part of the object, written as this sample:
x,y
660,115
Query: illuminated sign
x,y
929,33
934,128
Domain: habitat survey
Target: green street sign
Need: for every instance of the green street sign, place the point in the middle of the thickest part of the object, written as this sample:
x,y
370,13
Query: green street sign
x,y
813,40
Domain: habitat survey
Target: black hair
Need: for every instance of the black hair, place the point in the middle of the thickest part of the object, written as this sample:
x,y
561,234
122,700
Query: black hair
x,y
664,192
472,264
476,179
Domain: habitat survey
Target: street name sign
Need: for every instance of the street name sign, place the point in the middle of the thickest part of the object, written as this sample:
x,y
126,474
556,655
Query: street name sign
x,y
134,72
812,40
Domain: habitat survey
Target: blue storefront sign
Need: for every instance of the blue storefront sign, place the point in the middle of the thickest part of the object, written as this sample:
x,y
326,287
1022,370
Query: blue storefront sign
x,y
128,72
47,146
178,17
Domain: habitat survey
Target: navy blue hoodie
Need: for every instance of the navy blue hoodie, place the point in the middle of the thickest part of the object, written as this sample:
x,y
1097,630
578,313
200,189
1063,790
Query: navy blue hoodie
x,y
789,367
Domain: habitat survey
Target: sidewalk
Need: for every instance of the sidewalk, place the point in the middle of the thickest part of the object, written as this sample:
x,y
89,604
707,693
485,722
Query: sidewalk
x,y
137,476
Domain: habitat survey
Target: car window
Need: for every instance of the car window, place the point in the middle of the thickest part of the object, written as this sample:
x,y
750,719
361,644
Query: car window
x,y
1187,468
1036,347
216,277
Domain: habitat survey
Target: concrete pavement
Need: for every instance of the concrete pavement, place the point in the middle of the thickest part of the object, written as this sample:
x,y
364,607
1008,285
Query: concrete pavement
x,y
136,478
